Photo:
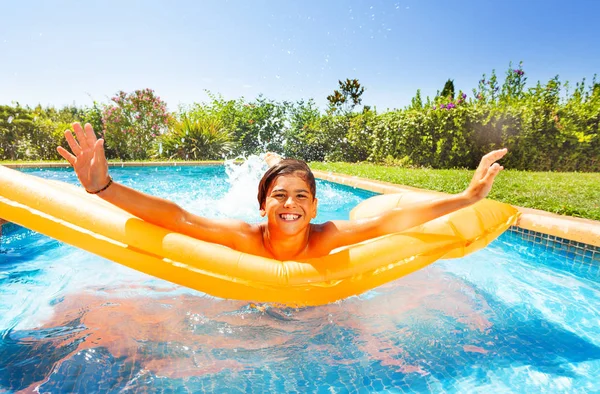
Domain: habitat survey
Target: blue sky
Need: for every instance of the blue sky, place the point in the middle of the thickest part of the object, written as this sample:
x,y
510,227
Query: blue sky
x,y
65,52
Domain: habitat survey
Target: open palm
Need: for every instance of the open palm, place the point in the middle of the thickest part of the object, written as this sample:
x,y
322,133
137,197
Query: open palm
x,y
484,176
88,157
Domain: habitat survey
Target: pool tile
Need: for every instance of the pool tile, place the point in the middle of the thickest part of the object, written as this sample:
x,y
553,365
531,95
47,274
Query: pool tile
x,y
575,254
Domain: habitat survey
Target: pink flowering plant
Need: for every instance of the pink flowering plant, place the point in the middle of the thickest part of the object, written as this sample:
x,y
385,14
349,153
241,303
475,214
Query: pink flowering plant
x,y
132,122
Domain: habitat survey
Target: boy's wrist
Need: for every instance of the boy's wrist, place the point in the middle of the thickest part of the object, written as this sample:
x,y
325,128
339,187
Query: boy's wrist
x,y
468,198
103,188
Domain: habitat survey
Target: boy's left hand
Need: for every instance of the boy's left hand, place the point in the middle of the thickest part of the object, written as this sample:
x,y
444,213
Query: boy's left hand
x,y
272,158
486,172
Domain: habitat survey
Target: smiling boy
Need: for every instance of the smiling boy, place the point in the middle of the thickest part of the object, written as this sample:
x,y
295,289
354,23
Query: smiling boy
x,y
286,198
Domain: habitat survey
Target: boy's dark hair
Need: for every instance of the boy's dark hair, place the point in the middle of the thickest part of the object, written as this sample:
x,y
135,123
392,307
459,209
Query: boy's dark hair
x,y
285,167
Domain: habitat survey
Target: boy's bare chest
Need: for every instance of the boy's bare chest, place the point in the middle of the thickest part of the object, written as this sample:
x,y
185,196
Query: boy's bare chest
x,y
259,245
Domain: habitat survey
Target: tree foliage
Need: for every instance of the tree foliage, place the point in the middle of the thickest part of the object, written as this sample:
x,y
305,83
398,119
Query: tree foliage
x,y
547,126
448,90
347,97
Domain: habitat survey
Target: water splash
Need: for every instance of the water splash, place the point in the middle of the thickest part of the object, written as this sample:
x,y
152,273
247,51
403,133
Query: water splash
x,y
243,179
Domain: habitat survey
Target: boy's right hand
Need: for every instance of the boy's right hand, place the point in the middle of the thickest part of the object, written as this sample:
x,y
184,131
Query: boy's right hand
x,y
88,158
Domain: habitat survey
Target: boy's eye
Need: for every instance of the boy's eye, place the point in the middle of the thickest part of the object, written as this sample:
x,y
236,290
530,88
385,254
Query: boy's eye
x,y
302,196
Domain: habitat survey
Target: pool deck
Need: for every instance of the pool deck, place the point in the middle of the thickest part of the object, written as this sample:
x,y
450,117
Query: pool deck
x,y
585,231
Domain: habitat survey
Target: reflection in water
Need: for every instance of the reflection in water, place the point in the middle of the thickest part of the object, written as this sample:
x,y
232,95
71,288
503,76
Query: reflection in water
x,y
183,336
426,331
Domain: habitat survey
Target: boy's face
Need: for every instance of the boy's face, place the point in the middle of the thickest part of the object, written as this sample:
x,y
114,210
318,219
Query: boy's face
x,y
290,205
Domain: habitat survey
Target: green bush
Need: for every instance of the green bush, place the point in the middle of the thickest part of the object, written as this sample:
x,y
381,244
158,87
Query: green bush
x,y
260,127
132,123
303,139
255,127
195,138
545,127
16,125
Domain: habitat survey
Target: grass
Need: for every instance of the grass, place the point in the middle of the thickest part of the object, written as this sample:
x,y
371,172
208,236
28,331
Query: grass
x,y
573,194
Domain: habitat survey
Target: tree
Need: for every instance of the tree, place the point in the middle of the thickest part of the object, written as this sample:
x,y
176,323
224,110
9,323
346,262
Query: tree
x,y
448,90
417,102
348,97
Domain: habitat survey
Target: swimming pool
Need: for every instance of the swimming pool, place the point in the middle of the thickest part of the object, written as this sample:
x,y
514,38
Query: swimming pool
x,y
511,318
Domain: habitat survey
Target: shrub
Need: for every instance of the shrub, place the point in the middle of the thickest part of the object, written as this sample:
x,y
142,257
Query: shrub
x,y
132,122
16,127
545,127
303,138
260,126
199,138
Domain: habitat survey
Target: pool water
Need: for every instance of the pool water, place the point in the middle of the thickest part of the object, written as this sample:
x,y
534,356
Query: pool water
x,y
510,318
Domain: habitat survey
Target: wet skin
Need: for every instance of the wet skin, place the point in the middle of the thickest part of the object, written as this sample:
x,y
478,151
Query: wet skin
x,y
289,208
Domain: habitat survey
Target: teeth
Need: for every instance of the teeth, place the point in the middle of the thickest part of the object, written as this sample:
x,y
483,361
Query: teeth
x,y
289,216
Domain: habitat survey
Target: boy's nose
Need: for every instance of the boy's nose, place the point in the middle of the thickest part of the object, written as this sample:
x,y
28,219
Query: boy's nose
x,y
289,201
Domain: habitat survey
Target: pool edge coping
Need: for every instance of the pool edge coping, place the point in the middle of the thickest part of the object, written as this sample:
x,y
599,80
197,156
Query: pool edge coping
x,y
586,231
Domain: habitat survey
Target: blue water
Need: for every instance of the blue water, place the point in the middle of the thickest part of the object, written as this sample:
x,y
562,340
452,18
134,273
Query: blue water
x,y
510,318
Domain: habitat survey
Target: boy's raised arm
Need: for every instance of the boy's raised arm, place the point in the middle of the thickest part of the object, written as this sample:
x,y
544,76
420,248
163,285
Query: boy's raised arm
x,y
90,165
402,218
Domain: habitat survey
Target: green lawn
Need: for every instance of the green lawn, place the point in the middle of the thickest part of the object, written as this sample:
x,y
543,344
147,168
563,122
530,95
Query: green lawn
x,y
573,194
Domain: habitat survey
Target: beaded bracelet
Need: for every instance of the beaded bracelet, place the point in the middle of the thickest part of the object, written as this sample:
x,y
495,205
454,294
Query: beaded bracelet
x,y
110,181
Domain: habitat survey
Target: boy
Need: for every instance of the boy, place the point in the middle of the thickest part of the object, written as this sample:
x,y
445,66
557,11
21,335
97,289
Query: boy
x,y
286,198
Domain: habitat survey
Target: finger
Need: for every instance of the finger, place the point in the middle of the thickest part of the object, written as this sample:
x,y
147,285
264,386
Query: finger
x,y
493,156
80,136
99,150
75,148
492,172
67,155
487,161
90,136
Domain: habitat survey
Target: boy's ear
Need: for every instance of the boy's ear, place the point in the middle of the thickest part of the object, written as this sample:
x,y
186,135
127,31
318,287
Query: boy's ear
x,y
315,205
263,213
